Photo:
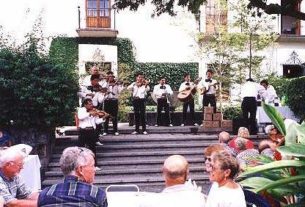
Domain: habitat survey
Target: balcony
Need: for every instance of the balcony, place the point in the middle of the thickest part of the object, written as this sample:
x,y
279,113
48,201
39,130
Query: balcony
x,y
97,23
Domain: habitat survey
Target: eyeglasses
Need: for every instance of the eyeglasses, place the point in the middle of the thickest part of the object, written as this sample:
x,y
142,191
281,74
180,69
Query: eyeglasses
x,y
208,158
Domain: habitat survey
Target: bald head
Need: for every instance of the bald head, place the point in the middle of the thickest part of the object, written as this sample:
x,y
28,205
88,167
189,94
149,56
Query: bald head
x,y
224,137
175,170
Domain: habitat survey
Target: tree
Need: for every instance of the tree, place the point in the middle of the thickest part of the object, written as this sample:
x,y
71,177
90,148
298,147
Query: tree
x,y
168,6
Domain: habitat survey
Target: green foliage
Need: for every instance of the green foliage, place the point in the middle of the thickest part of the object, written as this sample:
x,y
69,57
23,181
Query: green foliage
x,y
37,93
285,177
173,72
232,112
161,6
279,84
295,93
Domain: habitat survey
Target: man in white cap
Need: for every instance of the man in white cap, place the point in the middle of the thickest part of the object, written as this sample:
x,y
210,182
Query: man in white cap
x,y
12,188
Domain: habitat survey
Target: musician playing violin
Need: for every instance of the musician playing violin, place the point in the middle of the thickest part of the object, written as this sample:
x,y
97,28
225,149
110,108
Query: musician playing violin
x,y
162,91
89,118
111,102
139,90
208,90
187,84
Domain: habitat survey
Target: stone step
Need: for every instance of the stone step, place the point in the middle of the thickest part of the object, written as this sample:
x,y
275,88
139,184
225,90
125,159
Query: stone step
x,y
140,152
130,170
154,160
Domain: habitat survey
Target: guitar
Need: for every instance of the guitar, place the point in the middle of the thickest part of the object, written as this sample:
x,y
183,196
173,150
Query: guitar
x,y
188,93
205,90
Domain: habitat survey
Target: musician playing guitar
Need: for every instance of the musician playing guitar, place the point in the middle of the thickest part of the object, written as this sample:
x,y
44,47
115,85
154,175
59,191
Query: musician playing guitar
x,y
208,90
162,91
189,102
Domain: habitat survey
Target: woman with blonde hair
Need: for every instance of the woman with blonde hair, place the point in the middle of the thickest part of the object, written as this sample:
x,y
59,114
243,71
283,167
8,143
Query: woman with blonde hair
x,y
243,135
225,192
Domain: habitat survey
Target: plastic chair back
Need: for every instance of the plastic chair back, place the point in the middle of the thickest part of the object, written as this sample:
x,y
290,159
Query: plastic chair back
x,y
122,188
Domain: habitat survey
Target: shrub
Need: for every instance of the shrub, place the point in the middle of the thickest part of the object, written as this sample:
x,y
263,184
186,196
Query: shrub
x,y
35,93
295,93
232,112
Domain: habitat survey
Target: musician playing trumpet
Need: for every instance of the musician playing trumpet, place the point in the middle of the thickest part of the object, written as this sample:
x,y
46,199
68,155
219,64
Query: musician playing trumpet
x,y
208,89
189,102
111,102
139,90
89,118
162,91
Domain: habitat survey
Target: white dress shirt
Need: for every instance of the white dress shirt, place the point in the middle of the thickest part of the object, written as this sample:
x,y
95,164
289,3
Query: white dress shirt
x,y
113,90
159,93
87,81
139,92
210,86
183,85
251,89
86,120
269,94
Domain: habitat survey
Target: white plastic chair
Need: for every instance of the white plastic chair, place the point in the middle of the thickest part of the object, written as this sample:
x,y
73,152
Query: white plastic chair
x,y
123,188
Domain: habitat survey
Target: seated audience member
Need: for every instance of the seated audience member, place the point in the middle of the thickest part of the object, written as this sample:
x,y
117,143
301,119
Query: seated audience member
x,y
243,133
178,192
225,191
274,134
267,148
207,152
224,137
12,188
77,165
246,157
5,139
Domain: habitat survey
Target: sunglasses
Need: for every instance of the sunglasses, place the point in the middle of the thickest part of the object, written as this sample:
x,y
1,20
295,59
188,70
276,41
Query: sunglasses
x,y
208,159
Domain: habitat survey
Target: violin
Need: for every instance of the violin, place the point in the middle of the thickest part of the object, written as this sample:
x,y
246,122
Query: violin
x,y
99,113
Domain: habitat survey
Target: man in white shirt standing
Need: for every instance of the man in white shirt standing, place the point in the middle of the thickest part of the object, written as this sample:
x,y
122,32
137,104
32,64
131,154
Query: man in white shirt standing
x,y
88,119
189,102
162,91
269,94
139,90
208,90
249,92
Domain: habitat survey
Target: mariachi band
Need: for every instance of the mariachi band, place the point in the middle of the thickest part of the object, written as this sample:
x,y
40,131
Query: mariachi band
x,y
104,93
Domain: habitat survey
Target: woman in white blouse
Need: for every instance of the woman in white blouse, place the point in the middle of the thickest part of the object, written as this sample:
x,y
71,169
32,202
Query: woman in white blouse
x,y
225,192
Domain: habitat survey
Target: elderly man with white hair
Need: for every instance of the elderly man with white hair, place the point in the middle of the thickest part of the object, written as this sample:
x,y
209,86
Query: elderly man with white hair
x,y
77,165
12,188
178,192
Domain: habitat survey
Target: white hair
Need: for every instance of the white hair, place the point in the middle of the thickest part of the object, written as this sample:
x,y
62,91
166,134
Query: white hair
x,y
72,158
9,155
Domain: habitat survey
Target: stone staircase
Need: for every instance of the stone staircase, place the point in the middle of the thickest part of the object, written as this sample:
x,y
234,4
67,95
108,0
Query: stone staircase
x,y
138,159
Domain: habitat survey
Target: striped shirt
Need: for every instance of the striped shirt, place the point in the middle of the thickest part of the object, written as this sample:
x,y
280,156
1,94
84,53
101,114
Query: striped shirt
x,y
11,189
72,192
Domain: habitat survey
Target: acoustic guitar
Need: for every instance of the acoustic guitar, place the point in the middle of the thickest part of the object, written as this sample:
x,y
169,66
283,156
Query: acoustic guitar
x,y
205,90
188,93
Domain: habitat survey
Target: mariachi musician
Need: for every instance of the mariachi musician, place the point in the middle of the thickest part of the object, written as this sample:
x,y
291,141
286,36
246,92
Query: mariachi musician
x,y
139,90
208,90
111,102
89,118
162,91
189,102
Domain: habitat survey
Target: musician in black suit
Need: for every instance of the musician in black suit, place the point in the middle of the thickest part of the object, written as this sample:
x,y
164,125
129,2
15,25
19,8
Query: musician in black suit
x,y
186,85
208,90
162,91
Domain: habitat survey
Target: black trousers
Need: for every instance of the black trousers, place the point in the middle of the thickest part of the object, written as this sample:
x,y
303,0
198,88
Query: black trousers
x,y
162,104
139,113
111,106
209,99
189,103
249,107
88,138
